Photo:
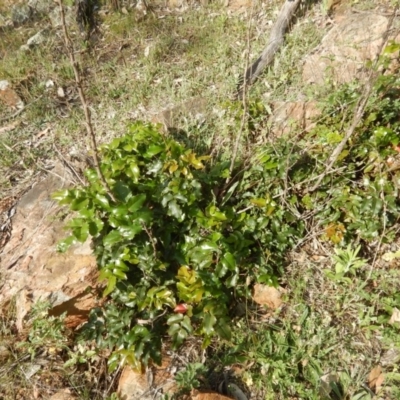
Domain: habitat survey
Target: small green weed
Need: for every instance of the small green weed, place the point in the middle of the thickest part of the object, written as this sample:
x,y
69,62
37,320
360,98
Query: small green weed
x,y
346,263
45,332
187,379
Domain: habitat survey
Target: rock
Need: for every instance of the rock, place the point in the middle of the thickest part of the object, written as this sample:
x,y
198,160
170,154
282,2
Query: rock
x,y
298,113
37,39
9,97
24,48
64,394
55,18
327,383
239,6
30,267
268,296
41,6
5,22
391,357
134,385
343,52
20,14
197,395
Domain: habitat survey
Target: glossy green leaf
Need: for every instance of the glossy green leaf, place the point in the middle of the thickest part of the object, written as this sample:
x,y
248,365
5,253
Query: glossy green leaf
x,y
102,200
187,324
81,232
229,261
259,202
61,195
136,202
209,246
133,171
153,150
208,323
129,231
175,319
232,280
175,210
221,270
112,238
112,281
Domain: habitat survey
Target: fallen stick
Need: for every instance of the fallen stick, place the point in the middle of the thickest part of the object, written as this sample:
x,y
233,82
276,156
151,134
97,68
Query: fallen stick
x,y
276,40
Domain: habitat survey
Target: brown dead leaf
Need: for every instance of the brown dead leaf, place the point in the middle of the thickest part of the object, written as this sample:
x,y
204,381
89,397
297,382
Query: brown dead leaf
x,y
268,296
376,378
395,316
379,382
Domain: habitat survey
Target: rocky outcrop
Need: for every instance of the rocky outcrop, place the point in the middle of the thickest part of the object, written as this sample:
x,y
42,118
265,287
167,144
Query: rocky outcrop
x,y
30,267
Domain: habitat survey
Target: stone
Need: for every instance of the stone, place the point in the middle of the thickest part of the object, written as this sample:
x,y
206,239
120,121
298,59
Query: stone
x,y
37,39
64,394
199,395
9,97
20,14
24,48
342,54
5,353
30,266
287,114
195,107
55,18
134,385
41,6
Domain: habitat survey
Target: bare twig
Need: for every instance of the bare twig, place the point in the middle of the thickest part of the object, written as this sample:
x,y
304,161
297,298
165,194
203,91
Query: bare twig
x,y
78,80
243,95
68,164
152,241
360,107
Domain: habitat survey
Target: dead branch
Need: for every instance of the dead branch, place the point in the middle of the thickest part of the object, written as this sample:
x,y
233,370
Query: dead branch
x,y
78,80
276,40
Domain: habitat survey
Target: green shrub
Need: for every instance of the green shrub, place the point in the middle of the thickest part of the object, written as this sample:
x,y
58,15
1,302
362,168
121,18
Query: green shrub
x,y
186,238
179,245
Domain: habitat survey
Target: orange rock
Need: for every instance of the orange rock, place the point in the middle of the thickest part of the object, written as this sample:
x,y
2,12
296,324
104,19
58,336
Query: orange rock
x,y
197,395
30,265
134,385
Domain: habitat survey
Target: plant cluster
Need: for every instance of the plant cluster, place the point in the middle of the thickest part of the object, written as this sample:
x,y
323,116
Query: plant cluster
x,y
185,238
179,245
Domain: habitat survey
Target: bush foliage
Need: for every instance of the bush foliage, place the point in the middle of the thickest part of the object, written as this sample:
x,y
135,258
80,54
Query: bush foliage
x,y
186,238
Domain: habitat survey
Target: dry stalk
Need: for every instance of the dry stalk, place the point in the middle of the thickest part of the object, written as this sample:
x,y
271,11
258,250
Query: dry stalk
x,y
88,120
243,94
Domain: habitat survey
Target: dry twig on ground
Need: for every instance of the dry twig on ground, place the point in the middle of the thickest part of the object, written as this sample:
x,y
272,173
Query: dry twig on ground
x,y
276,40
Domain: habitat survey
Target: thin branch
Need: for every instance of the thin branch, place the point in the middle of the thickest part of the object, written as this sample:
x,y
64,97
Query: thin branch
x,y
68,164
152,241
243,93
78,80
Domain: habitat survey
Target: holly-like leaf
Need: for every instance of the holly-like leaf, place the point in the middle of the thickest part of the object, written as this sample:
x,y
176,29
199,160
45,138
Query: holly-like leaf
x,y
175,210
208,323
